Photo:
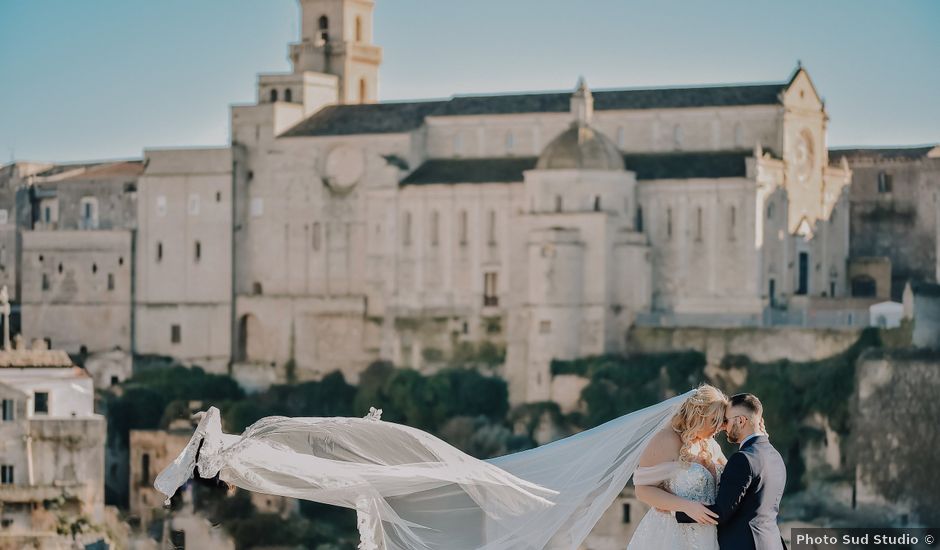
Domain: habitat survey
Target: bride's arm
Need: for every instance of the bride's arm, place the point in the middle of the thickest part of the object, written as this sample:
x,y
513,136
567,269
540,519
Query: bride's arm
x,y
663,449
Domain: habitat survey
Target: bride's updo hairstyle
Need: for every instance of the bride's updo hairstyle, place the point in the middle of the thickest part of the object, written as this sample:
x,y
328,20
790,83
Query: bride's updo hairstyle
x,y
702,412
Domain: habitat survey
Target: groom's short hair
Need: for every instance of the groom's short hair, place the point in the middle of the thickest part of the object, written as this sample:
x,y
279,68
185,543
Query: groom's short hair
x,y
749,402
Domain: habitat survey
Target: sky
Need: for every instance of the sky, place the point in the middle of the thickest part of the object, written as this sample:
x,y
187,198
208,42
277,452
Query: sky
x,y
104,79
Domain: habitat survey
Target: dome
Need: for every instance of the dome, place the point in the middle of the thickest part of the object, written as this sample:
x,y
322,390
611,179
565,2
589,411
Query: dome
x,y
581,147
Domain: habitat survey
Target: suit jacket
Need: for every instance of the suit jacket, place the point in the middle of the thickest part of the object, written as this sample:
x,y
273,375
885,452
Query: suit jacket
x,y
749,498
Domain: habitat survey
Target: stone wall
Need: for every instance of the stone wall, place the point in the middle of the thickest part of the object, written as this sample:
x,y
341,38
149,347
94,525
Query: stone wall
x,y
760,344
895,435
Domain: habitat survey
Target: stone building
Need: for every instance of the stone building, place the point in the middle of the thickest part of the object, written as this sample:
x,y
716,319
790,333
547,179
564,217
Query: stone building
x,y
895,197
150,452
336,230
53,445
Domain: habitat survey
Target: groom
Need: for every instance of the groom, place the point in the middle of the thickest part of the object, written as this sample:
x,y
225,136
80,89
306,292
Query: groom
x,y
751,486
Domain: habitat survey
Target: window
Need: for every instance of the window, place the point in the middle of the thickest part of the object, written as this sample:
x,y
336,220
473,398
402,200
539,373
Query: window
x,y
864,286
597,203
772,292
178,539
9,410
198,251
669,223
491,230
732,223
256,289
832,289
510,142
489,290
194,205
358,29
145,469
130,187
677,137
625,516
324,28
288,95
159,252
770,211
114,381
45,281
316,236
698,224
435,226
94,268
273,96
639,218
41,402
110,281
175,334
802,287
89,210
406,229
47,215
463,229
257,207
218,196
6,474
884,182
545,327
363,90
60,268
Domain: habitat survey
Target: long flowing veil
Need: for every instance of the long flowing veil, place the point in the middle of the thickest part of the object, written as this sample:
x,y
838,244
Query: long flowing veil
x,y
413,491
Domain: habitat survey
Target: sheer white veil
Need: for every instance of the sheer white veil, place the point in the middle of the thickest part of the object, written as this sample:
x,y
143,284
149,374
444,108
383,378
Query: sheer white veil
x,y
413,491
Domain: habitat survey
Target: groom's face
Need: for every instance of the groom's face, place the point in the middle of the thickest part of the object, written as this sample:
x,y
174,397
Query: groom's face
x,y
735,419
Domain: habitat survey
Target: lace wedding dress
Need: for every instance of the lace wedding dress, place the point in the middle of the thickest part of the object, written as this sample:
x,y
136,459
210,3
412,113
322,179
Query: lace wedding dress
x,y
412,491
691,481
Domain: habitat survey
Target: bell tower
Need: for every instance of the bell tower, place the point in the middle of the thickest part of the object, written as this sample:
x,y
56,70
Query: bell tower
x,y
336,39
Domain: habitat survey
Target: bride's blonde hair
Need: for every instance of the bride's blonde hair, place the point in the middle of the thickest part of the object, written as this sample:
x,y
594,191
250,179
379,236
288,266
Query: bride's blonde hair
x,y
704,408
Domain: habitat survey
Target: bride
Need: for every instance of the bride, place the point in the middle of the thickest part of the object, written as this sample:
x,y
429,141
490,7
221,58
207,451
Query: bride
x,y
679,472
413,491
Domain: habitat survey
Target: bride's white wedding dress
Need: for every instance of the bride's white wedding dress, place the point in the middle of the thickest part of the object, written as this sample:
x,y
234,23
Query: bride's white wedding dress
x,y
691,481
412,491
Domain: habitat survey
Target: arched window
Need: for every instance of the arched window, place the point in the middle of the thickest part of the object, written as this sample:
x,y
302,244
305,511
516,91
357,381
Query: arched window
x,y
435,226
406,229
256,289
273,96
324,27
492,228
698,224
358,29
288,95
463,227
316,236
363,90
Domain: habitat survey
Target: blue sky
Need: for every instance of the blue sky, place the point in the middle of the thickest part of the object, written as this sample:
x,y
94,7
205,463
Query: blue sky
x,y
106,78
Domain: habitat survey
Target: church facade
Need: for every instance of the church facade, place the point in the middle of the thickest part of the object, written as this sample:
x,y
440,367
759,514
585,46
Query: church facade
x,y
336,230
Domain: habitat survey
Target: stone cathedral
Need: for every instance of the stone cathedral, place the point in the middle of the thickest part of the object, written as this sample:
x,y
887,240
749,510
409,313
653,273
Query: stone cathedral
x,y
336,230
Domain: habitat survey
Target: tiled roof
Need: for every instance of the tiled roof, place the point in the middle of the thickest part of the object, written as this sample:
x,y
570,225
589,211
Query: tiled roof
x,y
648,166
880,153
130,169
394,117
21,358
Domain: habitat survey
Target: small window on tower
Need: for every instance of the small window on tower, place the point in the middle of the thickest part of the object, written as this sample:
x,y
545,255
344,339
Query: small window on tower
x,y
288,95
324,26
884,182
273,96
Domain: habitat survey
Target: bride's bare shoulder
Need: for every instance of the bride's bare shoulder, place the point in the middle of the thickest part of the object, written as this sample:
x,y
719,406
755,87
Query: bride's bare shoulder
x,y
664,447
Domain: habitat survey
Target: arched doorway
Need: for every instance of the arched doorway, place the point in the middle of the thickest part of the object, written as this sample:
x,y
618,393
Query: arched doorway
x,y
248,333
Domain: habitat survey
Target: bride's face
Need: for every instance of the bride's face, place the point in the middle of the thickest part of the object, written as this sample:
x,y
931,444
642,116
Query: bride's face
x,y
712,426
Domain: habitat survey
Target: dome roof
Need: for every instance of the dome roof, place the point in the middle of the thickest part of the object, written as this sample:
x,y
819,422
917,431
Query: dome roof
x,y
581,147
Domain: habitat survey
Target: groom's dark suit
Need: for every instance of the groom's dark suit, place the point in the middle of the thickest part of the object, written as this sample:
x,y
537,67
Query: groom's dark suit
x,y
749,498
